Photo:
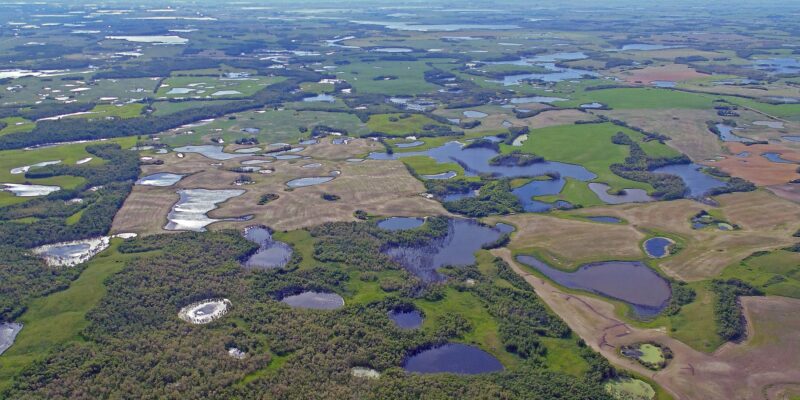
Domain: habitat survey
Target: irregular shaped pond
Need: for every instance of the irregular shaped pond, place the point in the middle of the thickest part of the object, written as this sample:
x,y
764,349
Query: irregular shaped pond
x,y
270,254
474,114
525,194
189,213
629,281
23,190
26,168
776,158
443,175
406,319
457,248
664,84
315,300
657,247
476,161
410,144
726,134
536,99
697,182
629,196
210,151
592,105
68,254
160,179
320,98
455,358
310,181
400,223
8,332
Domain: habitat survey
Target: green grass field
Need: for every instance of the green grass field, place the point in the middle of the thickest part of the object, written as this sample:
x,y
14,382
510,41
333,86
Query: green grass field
x,y
16,124
776,273
630,389
394,125
642,98
58,318
410,77
212,86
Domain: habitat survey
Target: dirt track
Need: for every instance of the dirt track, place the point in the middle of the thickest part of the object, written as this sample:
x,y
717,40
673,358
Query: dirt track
x,y
766,363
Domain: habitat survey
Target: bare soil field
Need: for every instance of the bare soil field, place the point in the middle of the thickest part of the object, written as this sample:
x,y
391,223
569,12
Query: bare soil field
x,y
570,242
686,128
377,187
754,369
756,168
767,222
789,191
670,72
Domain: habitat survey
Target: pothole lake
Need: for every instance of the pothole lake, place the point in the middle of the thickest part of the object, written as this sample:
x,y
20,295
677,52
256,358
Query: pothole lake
x,y
455,358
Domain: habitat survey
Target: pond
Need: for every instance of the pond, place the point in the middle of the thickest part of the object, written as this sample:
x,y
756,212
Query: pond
x,y
400,223
474,114
443,175
406,319
664,84
644,47
393,50
248,150
204,311
457,248
24,190
154,39
791,138
476,161
697,182
525,194
778,65
270,254
776,158
536,99
657,247
726,134
320,98
189,213
68,254
605,219
455,358
628,196
629,281
309,181
8,332
210,151
555,74
160,179
592,105
314,300
26,168
769,124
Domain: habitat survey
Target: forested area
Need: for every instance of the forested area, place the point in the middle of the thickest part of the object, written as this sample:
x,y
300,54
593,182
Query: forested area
x,y
290,352
731,324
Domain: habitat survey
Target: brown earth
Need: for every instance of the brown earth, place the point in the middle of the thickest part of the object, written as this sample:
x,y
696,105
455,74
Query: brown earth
x,y
756,168
789,191
670,72
377,187
748,370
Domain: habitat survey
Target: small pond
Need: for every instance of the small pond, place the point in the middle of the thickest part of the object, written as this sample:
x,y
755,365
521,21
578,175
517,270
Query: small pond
x,y
474,114
455,358
593,105
189,213
629,281
791,138
657,247
410,144
160,179
776,158
8,332
629,195
726,134
326,98
525,194
210,151
697,182
456,248
26,168
605,219
443,175
406,319
536,99
23,190
204,311
309,181
68,254
314,300
664,84
400,223
270,254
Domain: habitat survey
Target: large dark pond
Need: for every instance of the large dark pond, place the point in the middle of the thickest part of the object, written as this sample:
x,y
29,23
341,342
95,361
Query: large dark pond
x,y
455,358
629,281
698,182
476,161
525,194
271,253
457,248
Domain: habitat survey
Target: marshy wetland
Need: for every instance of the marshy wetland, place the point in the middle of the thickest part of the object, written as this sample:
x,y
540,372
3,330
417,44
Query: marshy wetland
x,y
435,200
